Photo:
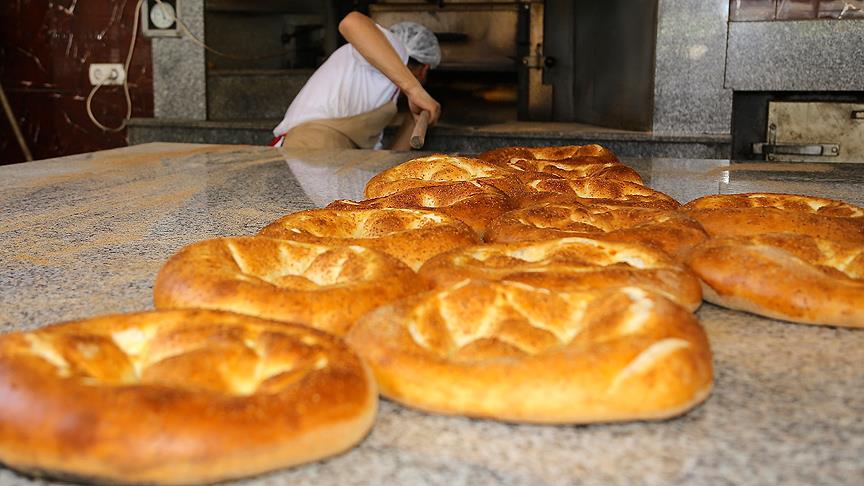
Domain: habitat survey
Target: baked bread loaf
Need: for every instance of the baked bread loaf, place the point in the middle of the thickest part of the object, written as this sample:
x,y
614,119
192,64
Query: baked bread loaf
x,y
785,276
178,397
590,190
585,153
472,202
325,287
671,231
439,168
757,213
411,235
573,169
569,264
510,351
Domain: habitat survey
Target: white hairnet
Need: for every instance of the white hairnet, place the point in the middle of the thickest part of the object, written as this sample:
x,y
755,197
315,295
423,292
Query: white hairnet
x,y
420,42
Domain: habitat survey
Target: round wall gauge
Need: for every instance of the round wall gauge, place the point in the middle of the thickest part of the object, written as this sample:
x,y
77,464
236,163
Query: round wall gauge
x,y
162,15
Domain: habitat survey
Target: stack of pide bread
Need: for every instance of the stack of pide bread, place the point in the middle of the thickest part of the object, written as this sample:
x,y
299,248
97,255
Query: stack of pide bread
x,y
541,285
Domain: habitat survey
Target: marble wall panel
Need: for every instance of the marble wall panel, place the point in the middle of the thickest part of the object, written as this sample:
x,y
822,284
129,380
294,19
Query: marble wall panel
x,y
689,96
179,69
823,55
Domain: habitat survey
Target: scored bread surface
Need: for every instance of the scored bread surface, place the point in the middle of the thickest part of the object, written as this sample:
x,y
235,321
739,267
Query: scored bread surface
x,y
515,352
326,287
785,276
437,168
178,397
592,153
757,213
569,264
671,231
472,202
594,189
411,235
573,169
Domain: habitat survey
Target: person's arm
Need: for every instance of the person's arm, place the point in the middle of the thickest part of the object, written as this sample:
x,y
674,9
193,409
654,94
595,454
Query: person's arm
x,y
373,45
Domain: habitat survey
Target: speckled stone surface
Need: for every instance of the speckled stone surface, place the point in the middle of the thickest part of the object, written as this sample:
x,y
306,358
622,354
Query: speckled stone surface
x,y
229,96
179,69
689,96
85,235
807,55
454,138
240,132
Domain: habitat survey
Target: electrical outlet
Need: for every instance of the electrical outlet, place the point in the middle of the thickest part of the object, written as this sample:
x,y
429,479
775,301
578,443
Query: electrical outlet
x,y
107,74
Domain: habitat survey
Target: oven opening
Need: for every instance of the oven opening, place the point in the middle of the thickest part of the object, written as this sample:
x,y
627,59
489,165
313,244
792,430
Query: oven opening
x,y
483,75
471,97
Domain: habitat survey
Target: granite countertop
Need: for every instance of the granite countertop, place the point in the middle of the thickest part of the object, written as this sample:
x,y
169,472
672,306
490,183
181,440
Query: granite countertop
x,y
85,235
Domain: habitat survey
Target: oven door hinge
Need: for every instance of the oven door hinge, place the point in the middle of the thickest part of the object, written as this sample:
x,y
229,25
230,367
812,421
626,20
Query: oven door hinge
x,y
537,60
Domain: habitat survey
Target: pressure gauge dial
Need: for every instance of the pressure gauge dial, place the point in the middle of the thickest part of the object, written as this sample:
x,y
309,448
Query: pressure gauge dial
x,y
162,15
160,18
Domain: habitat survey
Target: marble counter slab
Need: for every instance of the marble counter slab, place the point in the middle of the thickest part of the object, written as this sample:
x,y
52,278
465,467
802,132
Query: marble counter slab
x,y
85,235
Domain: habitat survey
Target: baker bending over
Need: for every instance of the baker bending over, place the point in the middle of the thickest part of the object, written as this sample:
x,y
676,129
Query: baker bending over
x,y
351,98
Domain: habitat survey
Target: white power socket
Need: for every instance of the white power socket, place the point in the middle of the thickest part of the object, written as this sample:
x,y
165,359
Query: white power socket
x,y
107,74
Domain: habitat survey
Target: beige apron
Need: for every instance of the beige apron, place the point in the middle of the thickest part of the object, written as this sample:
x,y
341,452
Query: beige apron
x,y
358,131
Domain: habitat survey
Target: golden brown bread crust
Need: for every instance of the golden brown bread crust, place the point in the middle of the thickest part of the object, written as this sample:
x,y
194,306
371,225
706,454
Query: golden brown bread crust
x,y
441,170
438,168
791,202
756,213
178,397
671,231
573,169
411,235
785,276
325,287
586,153
509,351
569,264
472,202
588,190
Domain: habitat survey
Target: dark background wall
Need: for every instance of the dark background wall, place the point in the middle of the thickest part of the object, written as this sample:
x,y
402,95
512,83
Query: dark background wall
x,y
614,76
45,50
604,52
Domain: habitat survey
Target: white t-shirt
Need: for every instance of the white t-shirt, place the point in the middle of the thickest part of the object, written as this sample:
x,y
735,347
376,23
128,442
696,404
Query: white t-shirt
x,y
345,85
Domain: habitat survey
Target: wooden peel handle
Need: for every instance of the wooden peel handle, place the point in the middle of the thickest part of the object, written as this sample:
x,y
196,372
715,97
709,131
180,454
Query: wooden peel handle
x,y
418,136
